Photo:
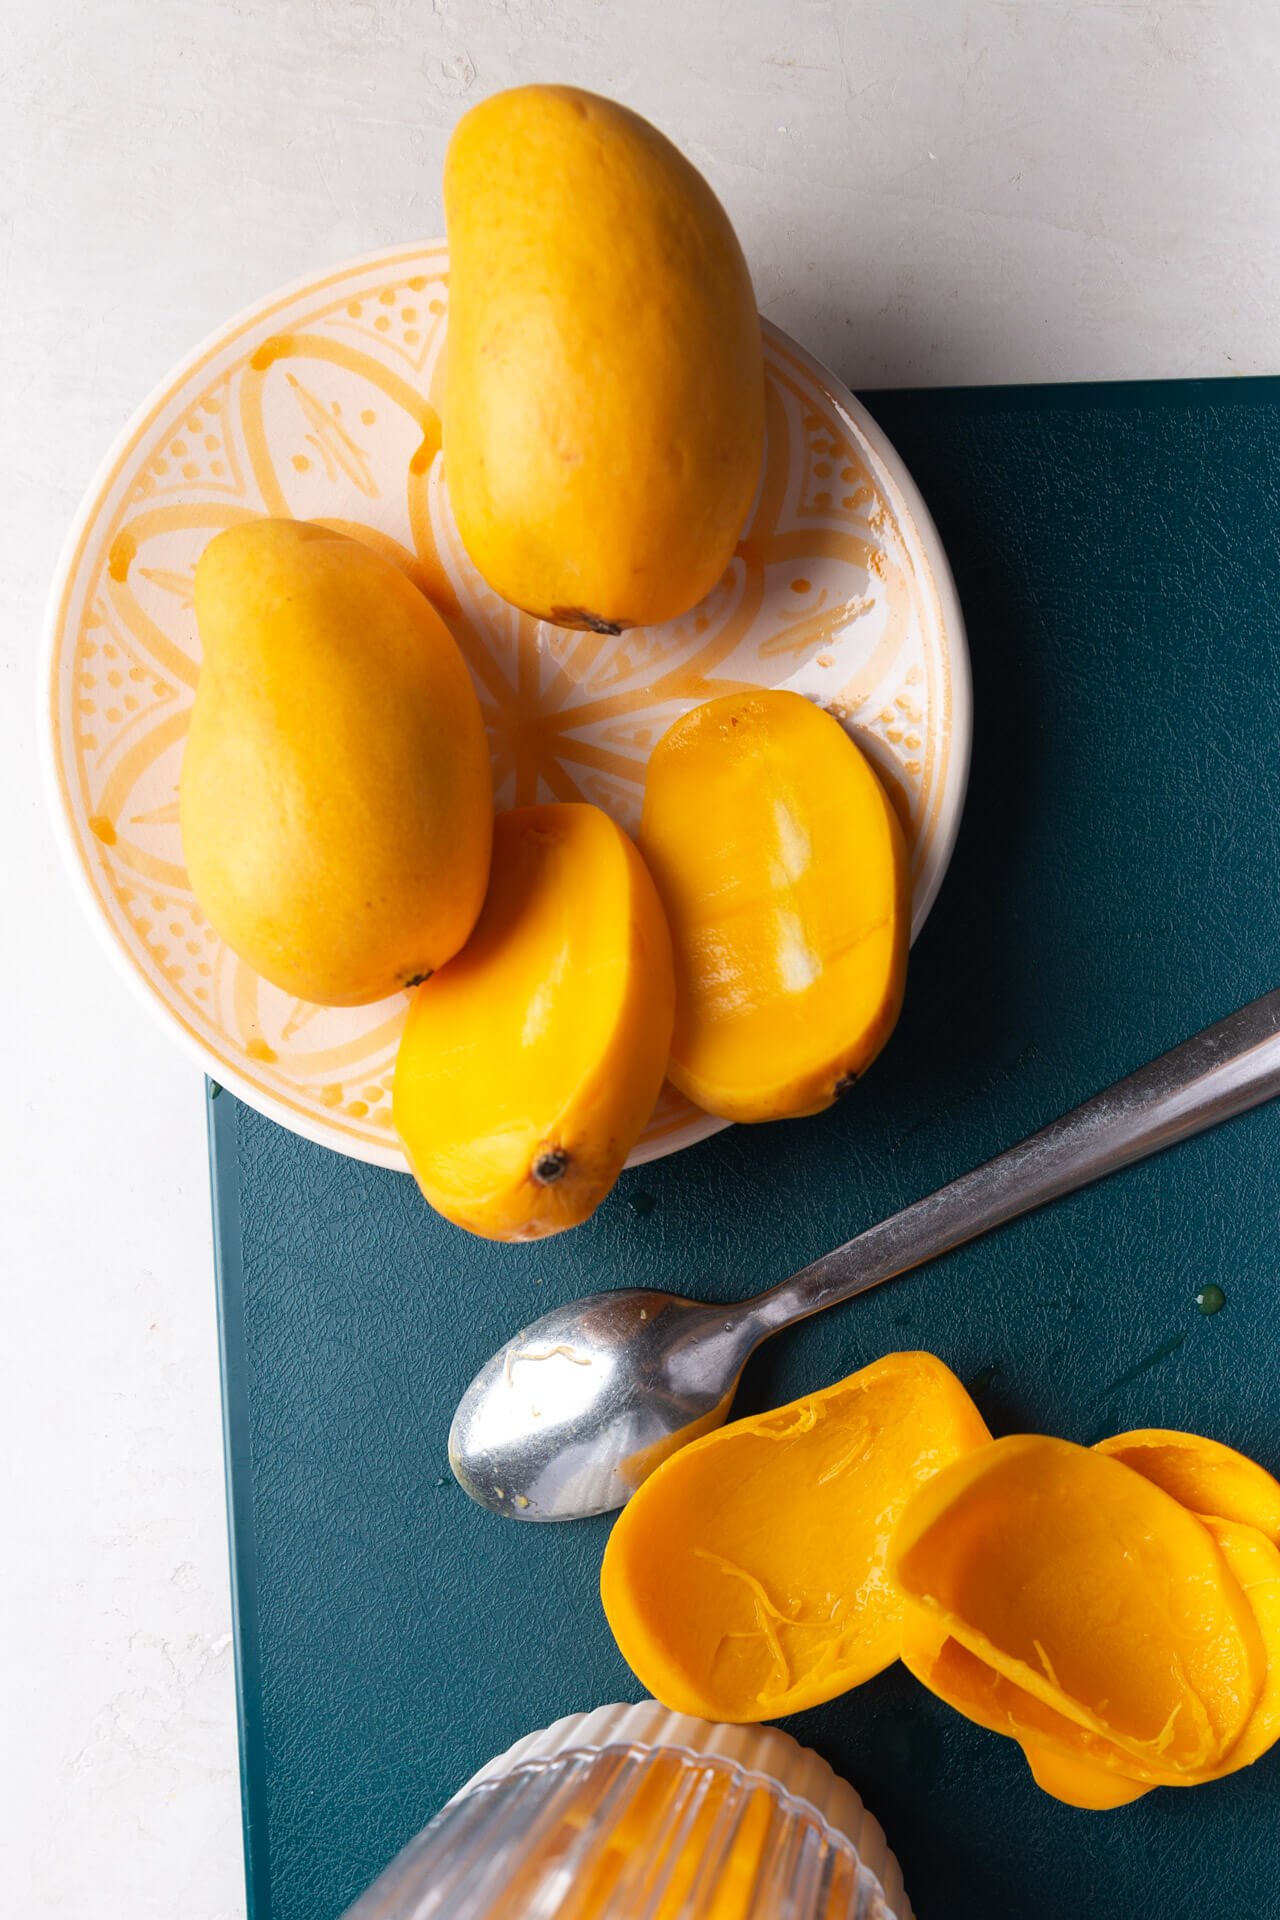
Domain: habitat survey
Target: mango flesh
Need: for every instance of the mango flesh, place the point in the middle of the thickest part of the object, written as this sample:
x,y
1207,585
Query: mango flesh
x,y
529,1064
1059,1596
746,1577
1068,1761
604,393
784,874
336,801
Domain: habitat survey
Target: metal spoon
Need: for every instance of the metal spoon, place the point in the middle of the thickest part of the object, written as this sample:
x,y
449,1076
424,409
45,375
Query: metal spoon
x,y
570,1416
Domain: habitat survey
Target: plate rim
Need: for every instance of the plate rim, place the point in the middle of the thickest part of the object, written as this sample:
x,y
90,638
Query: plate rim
x,y
73,854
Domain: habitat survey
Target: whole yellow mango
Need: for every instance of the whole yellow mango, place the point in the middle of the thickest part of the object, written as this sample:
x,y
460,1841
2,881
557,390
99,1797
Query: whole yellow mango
x,y
604,389
336,800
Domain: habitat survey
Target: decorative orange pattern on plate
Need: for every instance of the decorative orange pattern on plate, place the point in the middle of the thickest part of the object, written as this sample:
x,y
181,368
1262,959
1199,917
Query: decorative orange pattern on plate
x,y
324,403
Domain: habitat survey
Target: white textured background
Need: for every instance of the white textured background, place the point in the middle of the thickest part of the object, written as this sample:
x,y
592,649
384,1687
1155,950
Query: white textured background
x,y
928,190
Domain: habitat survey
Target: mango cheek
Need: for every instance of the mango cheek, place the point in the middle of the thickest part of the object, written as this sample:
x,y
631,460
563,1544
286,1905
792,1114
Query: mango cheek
x,y
529,1065
785,877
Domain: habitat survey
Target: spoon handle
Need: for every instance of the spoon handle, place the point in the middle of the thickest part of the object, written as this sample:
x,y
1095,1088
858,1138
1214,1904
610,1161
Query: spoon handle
x,y
1224,1070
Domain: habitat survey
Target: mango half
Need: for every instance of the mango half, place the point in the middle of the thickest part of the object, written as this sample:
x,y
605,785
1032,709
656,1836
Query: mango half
x,y
529,1065
746,1577
784,874
336,801
604,388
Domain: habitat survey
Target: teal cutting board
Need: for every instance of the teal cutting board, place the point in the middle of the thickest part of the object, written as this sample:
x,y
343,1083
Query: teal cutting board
x,y
1115,887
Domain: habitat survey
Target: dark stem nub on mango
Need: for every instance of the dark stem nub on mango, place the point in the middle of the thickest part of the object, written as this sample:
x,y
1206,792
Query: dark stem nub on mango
x,y
579,617
551,1165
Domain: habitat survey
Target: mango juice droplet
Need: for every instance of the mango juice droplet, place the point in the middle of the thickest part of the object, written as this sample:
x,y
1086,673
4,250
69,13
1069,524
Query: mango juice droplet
x,y
1211,1300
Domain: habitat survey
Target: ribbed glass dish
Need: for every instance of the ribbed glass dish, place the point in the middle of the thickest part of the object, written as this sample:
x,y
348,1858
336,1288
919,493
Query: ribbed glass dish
x,y
632,1813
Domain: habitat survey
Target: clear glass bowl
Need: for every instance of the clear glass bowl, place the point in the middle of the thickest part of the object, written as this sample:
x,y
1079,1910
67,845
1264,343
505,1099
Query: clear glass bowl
x,y
632,1813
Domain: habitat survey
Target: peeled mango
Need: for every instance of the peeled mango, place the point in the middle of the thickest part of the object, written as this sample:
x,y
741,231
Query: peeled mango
x,y
746,1577
604,387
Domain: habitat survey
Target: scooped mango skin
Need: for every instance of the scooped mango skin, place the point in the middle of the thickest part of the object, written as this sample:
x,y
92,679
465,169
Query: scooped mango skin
x,y
1077,1784
1202,1475
336,799
745,1578
1254,1561
1054,1594
604,388
1084,1769
785,877
1052,1602
1067,1760
529,1065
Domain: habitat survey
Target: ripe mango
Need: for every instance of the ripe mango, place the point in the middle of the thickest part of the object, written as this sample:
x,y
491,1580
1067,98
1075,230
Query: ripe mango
x,y
786,882
529,1065
604,388
336,799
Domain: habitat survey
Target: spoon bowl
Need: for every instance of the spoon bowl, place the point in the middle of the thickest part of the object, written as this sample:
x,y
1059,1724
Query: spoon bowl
x,y
573,1413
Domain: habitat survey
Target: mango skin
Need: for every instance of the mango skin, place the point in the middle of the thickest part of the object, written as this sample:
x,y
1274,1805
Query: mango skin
x,y
745,1577
336,800
1066,1758
1093,1614
604,386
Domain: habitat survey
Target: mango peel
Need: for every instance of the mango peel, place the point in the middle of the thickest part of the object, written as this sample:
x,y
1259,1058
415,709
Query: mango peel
x,y
1066,1598
746,1577
1203,1475
1114,1610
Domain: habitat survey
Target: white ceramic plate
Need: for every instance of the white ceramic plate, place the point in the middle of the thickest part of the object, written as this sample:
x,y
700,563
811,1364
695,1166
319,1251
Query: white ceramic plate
x,y
323,402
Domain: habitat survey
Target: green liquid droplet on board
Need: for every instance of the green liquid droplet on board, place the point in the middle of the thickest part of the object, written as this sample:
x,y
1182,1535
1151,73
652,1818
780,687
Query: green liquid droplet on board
x,y
1211,1299
642,1203
1165,1351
